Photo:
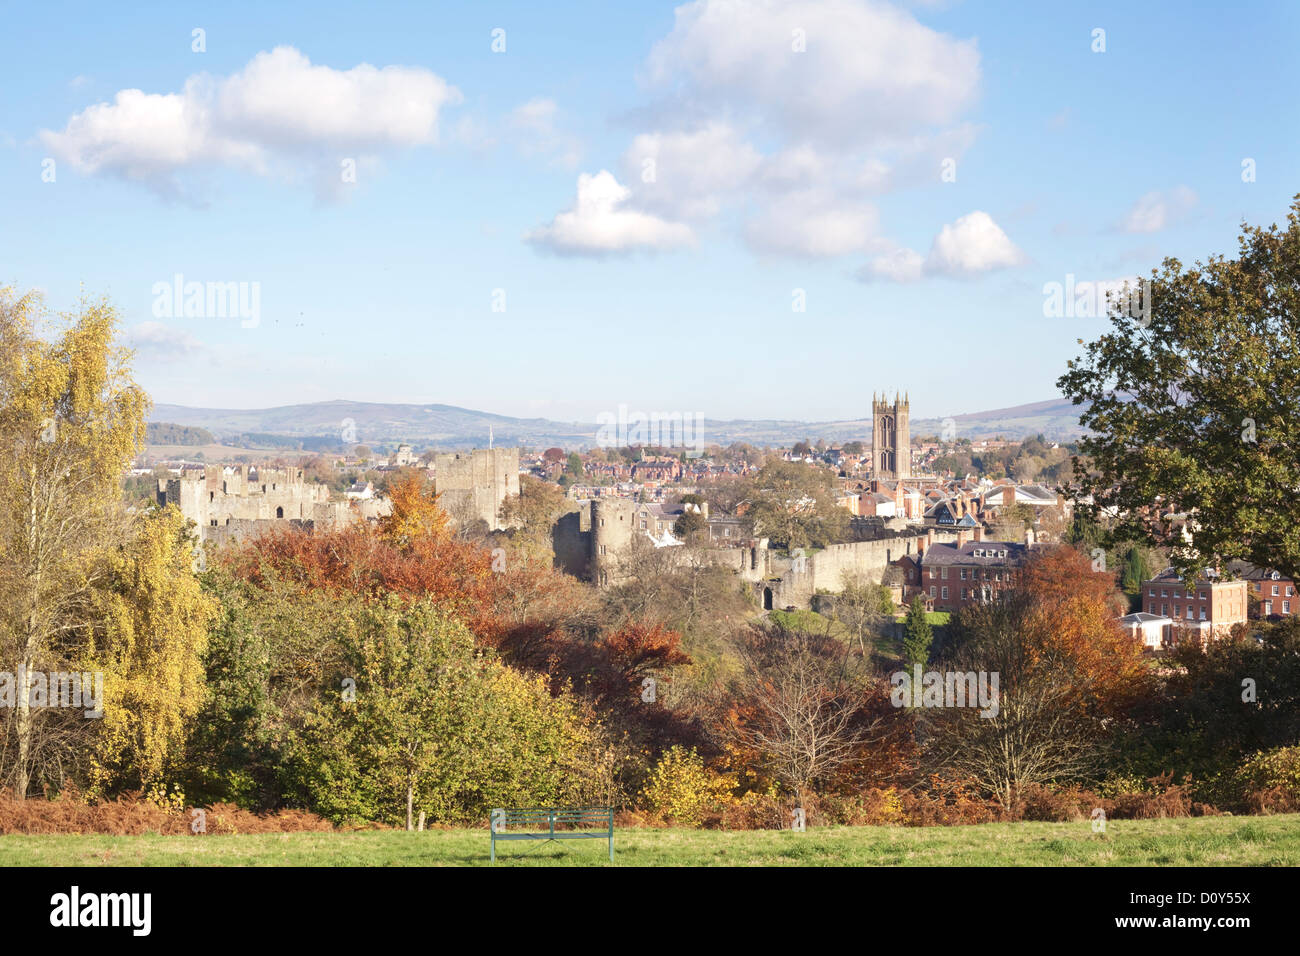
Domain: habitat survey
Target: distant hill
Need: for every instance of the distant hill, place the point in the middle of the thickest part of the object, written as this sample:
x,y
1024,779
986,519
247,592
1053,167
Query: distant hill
x,y
324,426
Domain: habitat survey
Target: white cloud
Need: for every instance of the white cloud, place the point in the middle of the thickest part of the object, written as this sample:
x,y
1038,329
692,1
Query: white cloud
x,y
813,224
869,71
797,167
599,225
1156,210
897,265
688,174
279,106
873,103
970,246
154,340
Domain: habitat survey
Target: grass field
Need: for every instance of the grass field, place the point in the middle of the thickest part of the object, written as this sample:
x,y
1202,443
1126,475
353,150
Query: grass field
x,y
1203,841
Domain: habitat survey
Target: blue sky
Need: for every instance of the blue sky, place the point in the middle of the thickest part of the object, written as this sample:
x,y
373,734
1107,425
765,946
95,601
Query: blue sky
x,y
644,186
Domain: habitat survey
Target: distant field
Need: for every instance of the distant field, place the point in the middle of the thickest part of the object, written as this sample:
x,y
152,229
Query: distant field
x,y
1202,841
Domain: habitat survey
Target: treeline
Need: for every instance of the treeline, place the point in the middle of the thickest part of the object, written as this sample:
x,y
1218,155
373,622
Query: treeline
x,y
166,433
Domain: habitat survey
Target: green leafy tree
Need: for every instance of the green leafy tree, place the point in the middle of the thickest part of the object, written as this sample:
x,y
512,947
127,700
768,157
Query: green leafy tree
x,y
1189,406
793,503
918,635
416,719
1136,571
690,523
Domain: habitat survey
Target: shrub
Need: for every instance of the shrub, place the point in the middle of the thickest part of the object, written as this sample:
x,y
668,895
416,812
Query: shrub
x,y
682,790
1269,781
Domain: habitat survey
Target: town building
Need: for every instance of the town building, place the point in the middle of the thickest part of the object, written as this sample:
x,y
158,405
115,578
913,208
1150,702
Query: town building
x,y
1209,608
971,570
1273,591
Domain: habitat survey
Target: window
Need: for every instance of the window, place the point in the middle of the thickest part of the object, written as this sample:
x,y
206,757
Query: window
x,y
1268,608
1275,590
1202,595
1202,614
1164,610
1286,607
1151,592
1189,612
945,594
1289,591
1175,610
931,590
945,574
1164,593
963,577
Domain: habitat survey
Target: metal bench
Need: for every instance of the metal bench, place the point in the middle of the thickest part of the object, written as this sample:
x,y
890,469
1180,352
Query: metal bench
x,y
541,823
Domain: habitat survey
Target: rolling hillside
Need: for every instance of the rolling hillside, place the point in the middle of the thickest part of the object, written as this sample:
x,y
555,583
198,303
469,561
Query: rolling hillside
x,y
324,425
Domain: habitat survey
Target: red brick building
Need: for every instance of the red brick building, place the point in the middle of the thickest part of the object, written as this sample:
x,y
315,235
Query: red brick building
x,y
949,577
1212,606
1274,592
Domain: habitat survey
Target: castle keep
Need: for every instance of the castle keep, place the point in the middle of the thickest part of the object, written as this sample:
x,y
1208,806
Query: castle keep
x,y
473,485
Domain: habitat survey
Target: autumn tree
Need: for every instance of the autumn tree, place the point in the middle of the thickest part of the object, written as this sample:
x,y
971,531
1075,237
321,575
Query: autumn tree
x,y
1188,405
531,516
71,421
149,640
1066,673
802,708
415,512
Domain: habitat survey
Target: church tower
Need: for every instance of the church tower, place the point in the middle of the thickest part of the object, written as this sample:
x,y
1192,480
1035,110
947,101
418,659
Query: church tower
x,y
891,438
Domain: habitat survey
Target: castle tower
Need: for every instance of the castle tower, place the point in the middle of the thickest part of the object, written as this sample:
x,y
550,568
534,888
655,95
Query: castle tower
x,y
611,533
891,438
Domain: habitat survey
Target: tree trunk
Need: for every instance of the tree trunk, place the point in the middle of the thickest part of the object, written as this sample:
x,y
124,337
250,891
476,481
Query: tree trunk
x,y
410,804
23,723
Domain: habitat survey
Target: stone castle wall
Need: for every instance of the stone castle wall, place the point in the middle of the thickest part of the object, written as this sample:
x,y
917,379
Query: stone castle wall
x,y
477,482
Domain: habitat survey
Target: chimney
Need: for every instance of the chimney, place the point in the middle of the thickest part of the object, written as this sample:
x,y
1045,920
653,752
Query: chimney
x,y
978,534
961,536
929,539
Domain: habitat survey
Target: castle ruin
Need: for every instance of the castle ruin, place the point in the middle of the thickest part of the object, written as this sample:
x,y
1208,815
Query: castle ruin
x,y
231,501
473,485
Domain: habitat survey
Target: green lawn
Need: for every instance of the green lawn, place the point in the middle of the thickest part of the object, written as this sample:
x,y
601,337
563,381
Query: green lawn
x,y
1204,841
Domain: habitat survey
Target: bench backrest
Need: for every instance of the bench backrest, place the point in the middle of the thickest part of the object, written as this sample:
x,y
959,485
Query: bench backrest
x,y
551,818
